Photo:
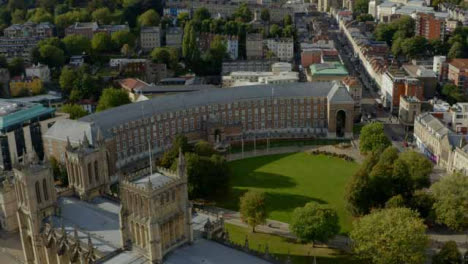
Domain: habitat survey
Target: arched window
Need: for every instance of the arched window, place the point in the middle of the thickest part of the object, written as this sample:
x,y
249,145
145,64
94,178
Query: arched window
x,y
90,171
96,171
38,193
46,193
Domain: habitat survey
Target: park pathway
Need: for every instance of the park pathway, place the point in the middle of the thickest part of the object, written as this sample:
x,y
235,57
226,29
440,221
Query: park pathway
x,y
352,151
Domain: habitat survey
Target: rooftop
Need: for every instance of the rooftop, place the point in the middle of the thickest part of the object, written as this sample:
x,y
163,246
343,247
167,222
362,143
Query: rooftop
x,y
328,69
157,179
459,63
14,112
112,118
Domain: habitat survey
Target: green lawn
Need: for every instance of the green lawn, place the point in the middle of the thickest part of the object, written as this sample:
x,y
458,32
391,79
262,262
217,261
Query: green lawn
x,y
290,181
281,247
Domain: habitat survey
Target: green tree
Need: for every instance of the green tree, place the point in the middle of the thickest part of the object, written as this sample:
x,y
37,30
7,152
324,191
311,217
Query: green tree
x,y
394,235
77,45
373,138
453,93
265,15
102,15
358,189
16,4
456,51
448,254
419,168
180,142
41,15
422,202
315,222
287,20
204,148
451,196
395,202
47,4
149,18
16,66
275,31
51,56
414,47
121,38
166,55
112,98
189,44
243,13
289,31
361,7
201,14
364,17
182,19
253,208
67,78
385,32
75,111
101,42
18,16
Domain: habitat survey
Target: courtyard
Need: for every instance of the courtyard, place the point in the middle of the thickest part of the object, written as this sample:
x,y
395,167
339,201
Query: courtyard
x,y
290,181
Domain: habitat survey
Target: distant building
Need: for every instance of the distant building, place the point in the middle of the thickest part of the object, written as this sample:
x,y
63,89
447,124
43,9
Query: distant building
x,y
254,46
25,86
437,64
281,67
410,108
253,78
311,56
354,87
458,73
83,29
30,29
438,139
150,38
429,26
247,65
21,129
174,37
40,71
88,29
231,42
395,83
137,88
282,48
325,72
141,68
11,48
427,78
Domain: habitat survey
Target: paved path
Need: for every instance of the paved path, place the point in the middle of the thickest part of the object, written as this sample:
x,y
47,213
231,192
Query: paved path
x,y
273,227
352,151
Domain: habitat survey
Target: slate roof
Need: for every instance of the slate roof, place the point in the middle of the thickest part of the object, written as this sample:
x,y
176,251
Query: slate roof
x,y
114,117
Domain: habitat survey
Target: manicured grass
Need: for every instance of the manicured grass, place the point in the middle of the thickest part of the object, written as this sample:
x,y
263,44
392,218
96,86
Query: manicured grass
x,y
281,247
290,181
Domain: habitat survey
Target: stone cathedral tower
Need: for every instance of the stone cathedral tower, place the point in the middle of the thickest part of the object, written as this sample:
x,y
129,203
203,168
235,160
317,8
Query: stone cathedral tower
x,y
34,187
87,168
155,214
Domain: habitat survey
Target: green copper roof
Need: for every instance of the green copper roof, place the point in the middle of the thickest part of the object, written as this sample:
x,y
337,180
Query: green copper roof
x,y
11,114
323,69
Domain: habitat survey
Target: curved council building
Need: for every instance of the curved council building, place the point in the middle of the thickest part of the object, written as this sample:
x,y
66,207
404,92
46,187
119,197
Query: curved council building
x,y
221,116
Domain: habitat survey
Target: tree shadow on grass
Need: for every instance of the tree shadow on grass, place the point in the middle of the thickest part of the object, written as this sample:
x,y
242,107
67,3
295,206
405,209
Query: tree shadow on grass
x,y
286,203
266,180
